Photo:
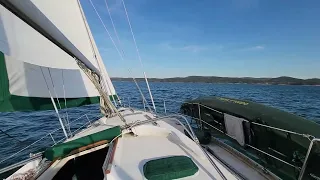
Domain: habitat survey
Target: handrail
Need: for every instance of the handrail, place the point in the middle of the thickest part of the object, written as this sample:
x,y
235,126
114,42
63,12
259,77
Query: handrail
x,y
271,127
50,134
21,163
304,166
309,137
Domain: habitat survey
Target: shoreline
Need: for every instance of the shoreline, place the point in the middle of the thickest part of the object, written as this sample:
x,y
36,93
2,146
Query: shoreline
x,y
266,84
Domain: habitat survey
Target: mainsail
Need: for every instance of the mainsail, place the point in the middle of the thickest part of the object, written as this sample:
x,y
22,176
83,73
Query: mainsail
x,y
32,68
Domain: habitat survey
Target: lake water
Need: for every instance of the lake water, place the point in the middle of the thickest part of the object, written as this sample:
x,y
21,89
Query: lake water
x,y
20,129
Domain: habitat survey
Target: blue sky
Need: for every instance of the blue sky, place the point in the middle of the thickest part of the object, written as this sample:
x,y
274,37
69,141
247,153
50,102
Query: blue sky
x,y
237,38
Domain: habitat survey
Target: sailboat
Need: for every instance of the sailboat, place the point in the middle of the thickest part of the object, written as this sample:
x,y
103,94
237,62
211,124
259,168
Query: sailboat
x,y
49,60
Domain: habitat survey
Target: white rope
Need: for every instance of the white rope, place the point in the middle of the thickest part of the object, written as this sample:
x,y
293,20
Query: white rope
x,y
121,48
65,103
137,49
54,90
133,37
55,93
104,85
54,105
106,29
114,28
114,44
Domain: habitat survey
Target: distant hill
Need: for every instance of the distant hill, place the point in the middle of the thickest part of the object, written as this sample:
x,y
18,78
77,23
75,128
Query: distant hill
x,y
241,80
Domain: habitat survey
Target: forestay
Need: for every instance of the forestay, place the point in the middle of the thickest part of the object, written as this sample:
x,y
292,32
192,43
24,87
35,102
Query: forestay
x,y
32,67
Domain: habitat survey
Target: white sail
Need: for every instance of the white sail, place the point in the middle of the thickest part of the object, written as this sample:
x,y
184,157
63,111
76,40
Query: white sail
x,y
70,20
33,68
105,76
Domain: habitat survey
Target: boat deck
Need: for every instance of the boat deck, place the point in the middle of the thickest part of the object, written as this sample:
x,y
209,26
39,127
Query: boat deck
x,y
128,164
235,162
153,141
160,139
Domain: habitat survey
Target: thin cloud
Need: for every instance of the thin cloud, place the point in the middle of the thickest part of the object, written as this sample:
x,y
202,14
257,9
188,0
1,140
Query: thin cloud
x,y
189,48
254,48
194,48
115,6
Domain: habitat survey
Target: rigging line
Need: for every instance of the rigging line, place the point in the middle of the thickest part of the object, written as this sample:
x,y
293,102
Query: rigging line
x,y
137,49
104,83
65,102
54,105
54,90
106,29
121,56
114,28
121,48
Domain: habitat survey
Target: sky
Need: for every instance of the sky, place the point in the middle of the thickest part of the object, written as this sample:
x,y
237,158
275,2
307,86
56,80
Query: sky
x,y
230,38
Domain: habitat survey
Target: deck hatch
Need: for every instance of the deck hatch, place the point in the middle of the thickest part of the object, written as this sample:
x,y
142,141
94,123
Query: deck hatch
x,y
169,168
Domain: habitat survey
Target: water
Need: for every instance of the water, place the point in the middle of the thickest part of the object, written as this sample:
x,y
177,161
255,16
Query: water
x,y
23,128
300,100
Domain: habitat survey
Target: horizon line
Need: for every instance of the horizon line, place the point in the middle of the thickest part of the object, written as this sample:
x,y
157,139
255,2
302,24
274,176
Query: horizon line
x,y
222,77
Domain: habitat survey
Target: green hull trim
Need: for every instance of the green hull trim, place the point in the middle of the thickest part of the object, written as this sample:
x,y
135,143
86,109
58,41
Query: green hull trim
x,y
62,150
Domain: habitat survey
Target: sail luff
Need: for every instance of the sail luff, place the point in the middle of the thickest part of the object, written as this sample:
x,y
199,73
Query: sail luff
x,y
104,74
30,14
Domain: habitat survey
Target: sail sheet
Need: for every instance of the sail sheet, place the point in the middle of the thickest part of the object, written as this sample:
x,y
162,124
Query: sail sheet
x,y
32,68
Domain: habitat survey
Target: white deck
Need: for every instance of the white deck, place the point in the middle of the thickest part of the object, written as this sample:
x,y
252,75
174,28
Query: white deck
x,y
133,152
153,141
157,141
